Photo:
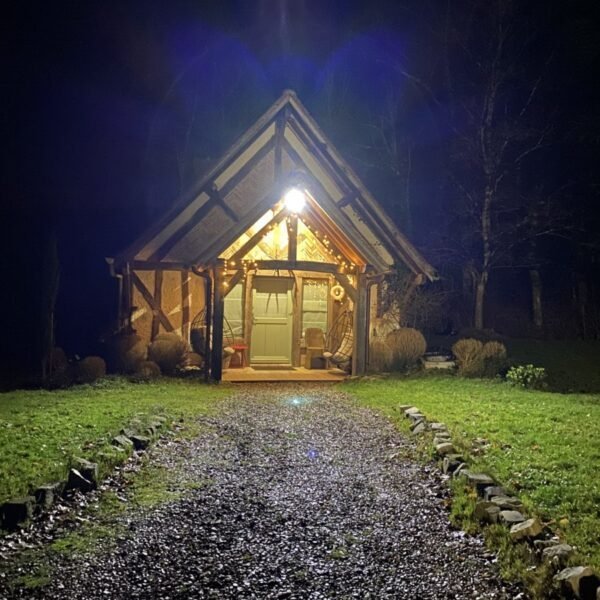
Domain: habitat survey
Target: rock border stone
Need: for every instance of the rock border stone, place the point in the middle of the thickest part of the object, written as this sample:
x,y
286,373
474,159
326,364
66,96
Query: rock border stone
x,y
82,474
495,505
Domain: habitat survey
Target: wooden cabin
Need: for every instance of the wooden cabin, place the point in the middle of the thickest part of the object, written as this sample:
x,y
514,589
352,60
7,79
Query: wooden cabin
x,y
279,241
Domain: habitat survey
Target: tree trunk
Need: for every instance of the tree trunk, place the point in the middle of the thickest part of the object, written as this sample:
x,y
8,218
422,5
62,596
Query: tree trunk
x,y
536,299
480,290
483,275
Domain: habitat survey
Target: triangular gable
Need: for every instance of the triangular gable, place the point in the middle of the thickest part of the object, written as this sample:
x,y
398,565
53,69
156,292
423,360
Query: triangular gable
x,y
284,147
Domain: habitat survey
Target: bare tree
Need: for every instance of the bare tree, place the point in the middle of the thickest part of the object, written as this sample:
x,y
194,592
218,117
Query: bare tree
x,y
485,90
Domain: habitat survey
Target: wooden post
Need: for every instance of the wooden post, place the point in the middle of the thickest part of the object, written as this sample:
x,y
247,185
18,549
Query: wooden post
x,y
185,305
292,227
361,326
216,371
297,319
248,315
158,278
127,297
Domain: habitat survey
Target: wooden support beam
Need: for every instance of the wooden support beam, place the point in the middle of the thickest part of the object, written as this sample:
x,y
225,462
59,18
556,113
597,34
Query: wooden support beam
x,y
279,134
212,251
342,279
258,236
158,279
139,284
336,215
296,265
216,371
185,305
361,327
127,297
321,154
246,168
298,292
216,198
180,233
233,281
292,229
219,201
147,265
248,315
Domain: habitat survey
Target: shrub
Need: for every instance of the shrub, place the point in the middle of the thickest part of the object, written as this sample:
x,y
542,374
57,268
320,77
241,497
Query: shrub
x,y
494,358
407,346
192,359
469,357
62,379
146,370
127,350
90,369
380,355
168,351
58,360
61,373
527,376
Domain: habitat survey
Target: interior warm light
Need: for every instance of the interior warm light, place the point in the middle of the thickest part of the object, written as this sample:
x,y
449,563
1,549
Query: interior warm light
x,y
294,200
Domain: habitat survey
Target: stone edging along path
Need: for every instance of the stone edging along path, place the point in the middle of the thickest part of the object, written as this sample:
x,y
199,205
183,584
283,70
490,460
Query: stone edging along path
x,y
82,477
494,505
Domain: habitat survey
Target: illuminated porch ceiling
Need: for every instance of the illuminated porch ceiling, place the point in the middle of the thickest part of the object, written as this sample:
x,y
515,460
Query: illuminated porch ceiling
x,y
318,239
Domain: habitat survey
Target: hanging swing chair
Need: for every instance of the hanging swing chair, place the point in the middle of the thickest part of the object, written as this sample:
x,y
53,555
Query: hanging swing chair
x,y
339,342
198,334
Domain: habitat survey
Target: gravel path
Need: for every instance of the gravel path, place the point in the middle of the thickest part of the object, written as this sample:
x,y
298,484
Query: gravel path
x,y
308,496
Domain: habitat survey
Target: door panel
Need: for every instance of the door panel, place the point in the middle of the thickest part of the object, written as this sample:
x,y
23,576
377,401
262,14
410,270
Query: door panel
x,y
272,309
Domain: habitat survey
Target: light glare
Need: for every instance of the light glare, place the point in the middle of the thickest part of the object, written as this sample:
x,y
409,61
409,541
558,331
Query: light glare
x,y
294,200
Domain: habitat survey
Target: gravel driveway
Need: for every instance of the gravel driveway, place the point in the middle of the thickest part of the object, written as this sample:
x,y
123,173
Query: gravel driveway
x,y
304,495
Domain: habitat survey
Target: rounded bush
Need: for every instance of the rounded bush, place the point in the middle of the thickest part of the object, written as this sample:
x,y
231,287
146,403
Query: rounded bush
x,y
494,358
90,369
192,359
469,357
127,351
168,351
147,370
407,346
380,355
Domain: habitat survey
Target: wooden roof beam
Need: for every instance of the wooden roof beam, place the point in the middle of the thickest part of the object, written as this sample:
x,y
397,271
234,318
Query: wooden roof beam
x,y
258,236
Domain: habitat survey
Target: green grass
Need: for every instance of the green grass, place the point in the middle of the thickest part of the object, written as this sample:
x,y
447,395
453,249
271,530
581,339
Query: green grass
x,y
41,431
543,446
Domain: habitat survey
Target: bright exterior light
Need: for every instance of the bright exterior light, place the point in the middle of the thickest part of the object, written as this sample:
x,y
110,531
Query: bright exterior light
x,y
294,200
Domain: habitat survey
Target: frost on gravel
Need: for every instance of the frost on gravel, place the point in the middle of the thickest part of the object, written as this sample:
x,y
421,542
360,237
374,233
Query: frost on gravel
x,y
309,496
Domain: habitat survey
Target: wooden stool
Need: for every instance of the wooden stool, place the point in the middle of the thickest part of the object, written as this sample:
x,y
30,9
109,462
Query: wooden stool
x,y
240,350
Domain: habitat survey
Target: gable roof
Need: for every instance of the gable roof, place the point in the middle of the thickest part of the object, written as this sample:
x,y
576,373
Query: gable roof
x,y
284,147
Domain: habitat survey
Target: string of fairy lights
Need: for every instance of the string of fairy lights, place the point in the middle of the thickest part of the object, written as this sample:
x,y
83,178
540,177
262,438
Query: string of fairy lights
x,y
251,264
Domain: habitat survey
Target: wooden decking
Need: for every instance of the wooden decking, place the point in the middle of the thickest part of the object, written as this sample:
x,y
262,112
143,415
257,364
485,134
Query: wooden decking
x,y
248,375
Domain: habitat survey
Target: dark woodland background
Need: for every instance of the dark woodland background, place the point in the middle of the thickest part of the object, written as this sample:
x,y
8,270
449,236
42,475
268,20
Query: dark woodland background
x,y
474,122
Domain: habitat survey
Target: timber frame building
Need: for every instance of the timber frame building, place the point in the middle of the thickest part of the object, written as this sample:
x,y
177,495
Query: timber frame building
x,y
256,270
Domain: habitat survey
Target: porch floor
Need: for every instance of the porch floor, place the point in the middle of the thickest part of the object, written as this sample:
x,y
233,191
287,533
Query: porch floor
x,y
248,374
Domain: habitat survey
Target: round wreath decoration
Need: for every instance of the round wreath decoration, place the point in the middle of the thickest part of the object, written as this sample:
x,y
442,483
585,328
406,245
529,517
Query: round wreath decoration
x,y
338,293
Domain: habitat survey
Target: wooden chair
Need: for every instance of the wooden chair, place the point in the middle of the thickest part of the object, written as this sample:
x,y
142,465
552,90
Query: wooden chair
x,y
315,345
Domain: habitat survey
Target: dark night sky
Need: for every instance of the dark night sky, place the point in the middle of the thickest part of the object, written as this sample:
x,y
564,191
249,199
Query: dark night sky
x,y
95,94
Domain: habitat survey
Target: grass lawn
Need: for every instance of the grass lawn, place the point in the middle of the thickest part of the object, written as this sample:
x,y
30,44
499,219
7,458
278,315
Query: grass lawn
x,y
544,446
40,431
